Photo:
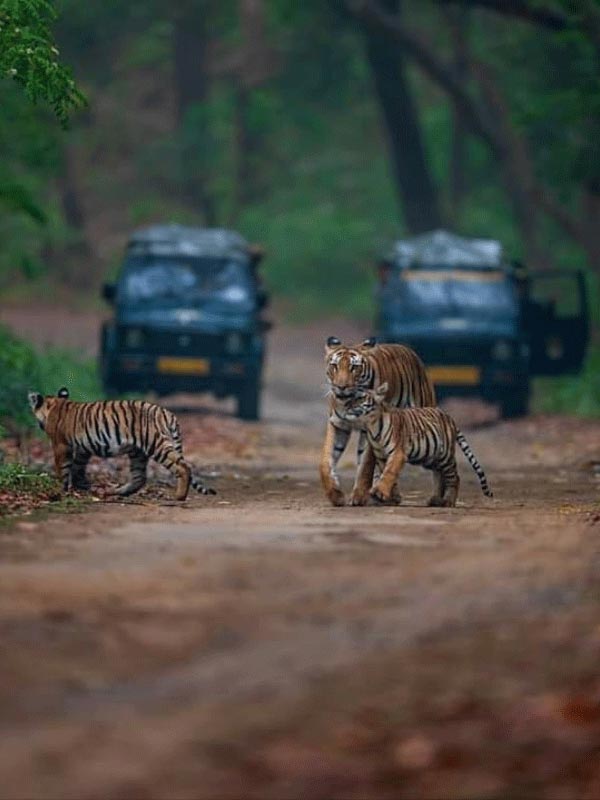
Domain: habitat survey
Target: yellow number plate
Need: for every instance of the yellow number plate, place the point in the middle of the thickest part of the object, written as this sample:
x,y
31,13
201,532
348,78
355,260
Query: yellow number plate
x,y
184,366
464,376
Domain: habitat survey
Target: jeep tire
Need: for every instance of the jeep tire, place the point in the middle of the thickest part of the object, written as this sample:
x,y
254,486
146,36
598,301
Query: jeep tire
x,y
515,404
248,399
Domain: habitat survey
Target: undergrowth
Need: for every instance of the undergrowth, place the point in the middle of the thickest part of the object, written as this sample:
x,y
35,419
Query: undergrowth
x,y
23,369
571,394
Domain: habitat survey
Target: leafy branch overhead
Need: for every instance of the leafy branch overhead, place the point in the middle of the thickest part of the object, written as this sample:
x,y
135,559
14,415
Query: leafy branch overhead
x,y
29,56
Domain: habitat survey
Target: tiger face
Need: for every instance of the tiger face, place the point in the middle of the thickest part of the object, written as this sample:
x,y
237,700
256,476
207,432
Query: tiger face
x,y
367,403
348,368
42,406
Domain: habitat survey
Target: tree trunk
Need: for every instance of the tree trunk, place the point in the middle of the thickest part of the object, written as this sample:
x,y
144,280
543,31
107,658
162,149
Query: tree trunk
x,y
190,41
246,146
416,190
458,19
76,260
257,64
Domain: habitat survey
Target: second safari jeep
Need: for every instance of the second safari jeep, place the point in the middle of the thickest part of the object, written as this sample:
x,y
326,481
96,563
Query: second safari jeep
x,y
483,326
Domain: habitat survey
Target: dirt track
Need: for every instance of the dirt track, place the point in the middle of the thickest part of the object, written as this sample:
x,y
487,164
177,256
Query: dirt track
x,y
263,644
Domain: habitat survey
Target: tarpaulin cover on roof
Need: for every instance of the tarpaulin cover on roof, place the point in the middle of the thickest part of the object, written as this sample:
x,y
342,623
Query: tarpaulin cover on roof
x,y
181,240
443,249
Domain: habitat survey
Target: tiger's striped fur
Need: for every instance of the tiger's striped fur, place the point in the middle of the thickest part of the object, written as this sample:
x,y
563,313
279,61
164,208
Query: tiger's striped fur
x,y
135,428
349,370
425,436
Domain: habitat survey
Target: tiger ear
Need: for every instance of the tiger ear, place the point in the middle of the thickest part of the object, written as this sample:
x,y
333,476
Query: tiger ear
x,y
35,400
63,392
331,344
381,390
370,342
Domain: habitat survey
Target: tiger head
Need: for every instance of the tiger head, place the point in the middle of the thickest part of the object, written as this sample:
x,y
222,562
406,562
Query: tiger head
x,y
42,406
367,403
348,368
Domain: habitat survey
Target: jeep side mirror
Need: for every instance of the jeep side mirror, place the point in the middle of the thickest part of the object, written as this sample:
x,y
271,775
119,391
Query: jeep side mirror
x,y
256,253
384,271
109,292
262,298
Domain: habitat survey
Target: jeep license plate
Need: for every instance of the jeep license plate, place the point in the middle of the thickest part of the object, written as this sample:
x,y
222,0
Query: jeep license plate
x,y
183,366
457,376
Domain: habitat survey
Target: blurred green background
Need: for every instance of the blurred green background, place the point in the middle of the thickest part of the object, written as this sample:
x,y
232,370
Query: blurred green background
x,y
321,129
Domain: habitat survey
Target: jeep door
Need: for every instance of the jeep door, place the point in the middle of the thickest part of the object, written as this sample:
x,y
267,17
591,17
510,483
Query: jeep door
x,y
555,316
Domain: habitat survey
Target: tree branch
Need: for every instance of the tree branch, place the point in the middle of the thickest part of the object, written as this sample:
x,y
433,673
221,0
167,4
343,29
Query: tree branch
x,y
443,74
522,9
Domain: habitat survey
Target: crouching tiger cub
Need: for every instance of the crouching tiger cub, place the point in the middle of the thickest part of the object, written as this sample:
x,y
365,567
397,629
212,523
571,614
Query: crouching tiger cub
x,y
425,436
134,428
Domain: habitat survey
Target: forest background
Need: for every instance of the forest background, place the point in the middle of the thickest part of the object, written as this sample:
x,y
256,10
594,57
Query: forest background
x,y
321,129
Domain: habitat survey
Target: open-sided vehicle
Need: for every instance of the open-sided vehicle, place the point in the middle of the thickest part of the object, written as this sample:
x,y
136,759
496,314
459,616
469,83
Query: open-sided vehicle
x,y
482,326
188,306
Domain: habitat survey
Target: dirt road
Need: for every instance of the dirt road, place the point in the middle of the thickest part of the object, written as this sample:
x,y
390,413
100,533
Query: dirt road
x,y
263,644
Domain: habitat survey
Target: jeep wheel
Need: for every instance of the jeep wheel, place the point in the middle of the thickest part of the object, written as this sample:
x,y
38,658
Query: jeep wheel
x,y
515,404
248,400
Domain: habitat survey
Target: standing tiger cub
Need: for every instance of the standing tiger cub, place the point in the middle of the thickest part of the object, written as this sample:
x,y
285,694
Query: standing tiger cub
x,y
425,436
134,428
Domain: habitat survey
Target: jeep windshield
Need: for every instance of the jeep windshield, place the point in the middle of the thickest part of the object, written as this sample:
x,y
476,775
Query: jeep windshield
x,y
430,294
182,280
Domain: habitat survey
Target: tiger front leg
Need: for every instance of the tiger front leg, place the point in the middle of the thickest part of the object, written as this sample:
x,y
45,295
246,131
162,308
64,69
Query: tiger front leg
x,y
336,440
385,489
78,477
63,462
364,473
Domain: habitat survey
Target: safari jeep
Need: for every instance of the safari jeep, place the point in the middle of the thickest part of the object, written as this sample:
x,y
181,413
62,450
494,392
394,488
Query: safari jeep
x,y
187,316
481,325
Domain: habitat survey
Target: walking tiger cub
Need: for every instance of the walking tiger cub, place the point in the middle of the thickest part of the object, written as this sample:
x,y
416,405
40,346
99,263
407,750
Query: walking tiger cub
x,y
134,428
425,436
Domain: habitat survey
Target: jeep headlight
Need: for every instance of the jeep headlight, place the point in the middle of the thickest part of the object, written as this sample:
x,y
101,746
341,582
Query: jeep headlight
x,y
502,350
234,343
134,337
234,294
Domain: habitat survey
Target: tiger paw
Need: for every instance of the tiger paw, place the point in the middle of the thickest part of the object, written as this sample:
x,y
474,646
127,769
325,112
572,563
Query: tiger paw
x,y
359,497
336,497
380,495
438,502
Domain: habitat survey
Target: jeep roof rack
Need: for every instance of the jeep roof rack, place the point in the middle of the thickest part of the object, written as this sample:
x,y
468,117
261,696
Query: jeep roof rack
x,y
174,239
443,249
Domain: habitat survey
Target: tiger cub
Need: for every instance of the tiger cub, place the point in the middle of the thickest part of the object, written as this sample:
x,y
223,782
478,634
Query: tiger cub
x,y
425,436
134,428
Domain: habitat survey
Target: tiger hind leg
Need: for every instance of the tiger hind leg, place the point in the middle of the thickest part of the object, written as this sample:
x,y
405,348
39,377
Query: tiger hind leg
x,y
437,498
178,466
450,485
137,469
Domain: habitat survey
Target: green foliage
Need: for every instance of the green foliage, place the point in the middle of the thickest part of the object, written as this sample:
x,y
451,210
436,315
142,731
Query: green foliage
x,y
572,394
19,478
15,197
23,370
28,55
